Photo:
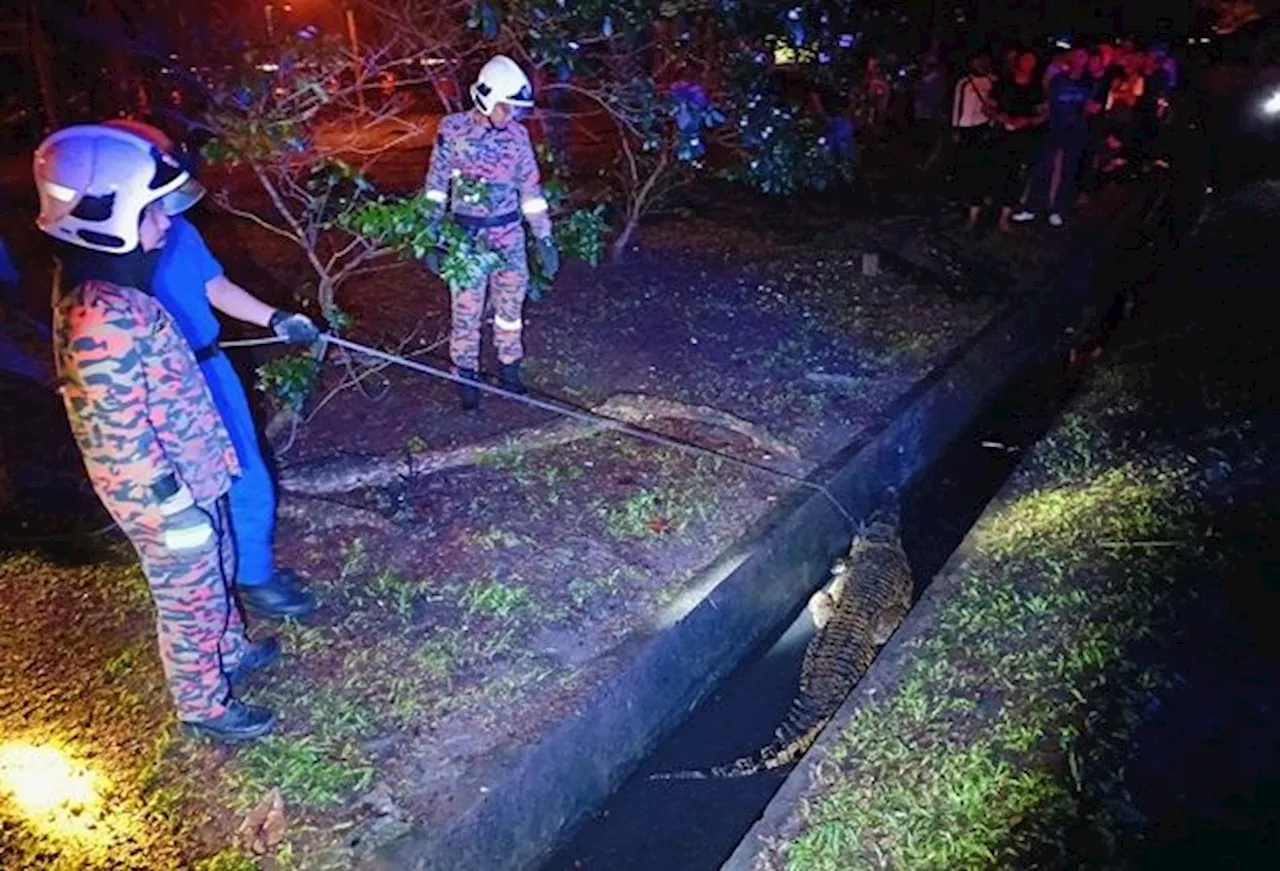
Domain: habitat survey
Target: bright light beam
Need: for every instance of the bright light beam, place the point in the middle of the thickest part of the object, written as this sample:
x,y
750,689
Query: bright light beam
x,y
1272,105
58,795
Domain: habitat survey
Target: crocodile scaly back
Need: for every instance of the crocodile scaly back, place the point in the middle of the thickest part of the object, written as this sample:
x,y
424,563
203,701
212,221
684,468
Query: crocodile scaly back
x,y
876,596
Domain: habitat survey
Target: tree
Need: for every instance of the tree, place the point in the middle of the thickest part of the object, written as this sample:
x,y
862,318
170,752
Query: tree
x,y
687,88
308,125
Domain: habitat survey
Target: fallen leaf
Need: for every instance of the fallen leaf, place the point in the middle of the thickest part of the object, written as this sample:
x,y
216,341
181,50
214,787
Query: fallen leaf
x,y
263,829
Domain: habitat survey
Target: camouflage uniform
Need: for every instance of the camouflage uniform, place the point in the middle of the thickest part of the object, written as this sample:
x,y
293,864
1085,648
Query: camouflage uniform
x,y
494,179
140,411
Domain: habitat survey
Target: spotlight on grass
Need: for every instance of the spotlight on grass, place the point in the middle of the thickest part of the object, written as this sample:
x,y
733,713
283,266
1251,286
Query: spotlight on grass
x,y
57,794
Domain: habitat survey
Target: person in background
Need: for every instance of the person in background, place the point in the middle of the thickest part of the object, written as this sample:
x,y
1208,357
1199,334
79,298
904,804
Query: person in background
x,y
1020,113
870,102
1008,61
1071,103
928,97
190,283
1119,111
1105,135
972,112
831,110
483,171
1153,111
1057,64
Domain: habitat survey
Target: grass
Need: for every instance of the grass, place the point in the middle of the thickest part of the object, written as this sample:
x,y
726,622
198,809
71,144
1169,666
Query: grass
x,y
228,860
389,589
1004,740
584,590
653,511
308,769
495,599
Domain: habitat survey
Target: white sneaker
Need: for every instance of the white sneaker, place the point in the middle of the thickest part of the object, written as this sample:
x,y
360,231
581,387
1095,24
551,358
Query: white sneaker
x,y
1023,216
1055,220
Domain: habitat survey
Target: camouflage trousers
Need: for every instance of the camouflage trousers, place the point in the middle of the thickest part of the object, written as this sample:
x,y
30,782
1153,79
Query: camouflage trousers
x,y
201,632
505,289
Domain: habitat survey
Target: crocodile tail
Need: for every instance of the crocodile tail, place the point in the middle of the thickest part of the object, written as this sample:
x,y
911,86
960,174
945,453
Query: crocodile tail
x,y
778,754
688,774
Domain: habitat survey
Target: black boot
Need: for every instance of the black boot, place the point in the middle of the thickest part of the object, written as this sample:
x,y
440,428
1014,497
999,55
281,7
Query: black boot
x,y
511,381
469,393
260,655
240,722
278,598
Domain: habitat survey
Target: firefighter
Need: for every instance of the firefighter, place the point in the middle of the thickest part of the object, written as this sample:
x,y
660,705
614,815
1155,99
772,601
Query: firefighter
x,y
153,444
484,172
190,283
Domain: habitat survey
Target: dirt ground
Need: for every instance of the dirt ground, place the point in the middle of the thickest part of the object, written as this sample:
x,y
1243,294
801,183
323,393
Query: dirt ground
x,y
462,612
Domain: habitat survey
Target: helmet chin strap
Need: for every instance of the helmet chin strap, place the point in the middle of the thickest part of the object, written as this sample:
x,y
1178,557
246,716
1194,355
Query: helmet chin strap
x,y
488,117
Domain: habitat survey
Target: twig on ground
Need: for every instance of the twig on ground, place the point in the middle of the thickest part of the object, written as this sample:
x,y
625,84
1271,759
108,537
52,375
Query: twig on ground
x,y
345,474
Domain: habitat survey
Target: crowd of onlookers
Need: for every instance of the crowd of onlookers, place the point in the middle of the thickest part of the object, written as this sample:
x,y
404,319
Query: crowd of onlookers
x,y
1030,135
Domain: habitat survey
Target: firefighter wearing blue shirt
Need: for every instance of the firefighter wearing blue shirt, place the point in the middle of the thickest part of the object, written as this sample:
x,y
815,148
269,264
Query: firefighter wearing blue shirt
x,y
190,283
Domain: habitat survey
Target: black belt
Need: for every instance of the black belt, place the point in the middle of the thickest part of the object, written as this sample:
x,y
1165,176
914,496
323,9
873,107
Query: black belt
x,y
480,222
208,352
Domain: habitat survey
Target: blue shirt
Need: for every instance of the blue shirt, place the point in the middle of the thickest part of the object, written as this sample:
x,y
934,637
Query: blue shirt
x,y
1067,97
186,266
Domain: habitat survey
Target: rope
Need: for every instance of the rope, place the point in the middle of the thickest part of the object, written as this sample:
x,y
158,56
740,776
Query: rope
x,y
562,409
591,417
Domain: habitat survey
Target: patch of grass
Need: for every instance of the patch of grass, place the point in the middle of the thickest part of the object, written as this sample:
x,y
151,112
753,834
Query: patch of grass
x,y
354,559
967,795
1129,502
514,462
583,590
391,589
308,770
495,599
652,512
449,651
228,860
337,715
123,663
301,640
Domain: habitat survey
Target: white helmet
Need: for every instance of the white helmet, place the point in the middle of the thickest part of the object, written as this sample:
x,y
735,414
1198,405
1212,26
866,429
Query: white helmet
x,y
184,197
501,81
94,182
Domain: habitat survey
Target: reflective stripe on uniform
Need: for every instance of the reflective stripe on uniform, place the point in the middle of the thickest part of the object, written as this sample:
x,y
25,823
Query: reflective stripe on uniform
x,y
437,196
187,537
535,206
511,326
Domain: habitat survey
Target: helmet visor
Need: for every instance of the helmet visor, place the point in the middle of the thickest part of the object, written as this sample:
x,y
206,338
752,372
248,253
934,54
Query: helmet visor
x,y
521,99
178,201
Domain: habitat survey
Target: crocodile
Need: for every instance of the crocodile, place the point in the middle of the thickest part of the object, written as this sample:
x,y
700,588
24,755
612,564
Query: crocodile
x,y
867,598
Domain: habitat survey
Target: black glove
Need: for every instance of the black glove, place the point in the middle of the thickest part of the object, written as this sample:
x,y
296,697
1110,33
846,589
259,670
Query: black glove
x,y
294,327
549,257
